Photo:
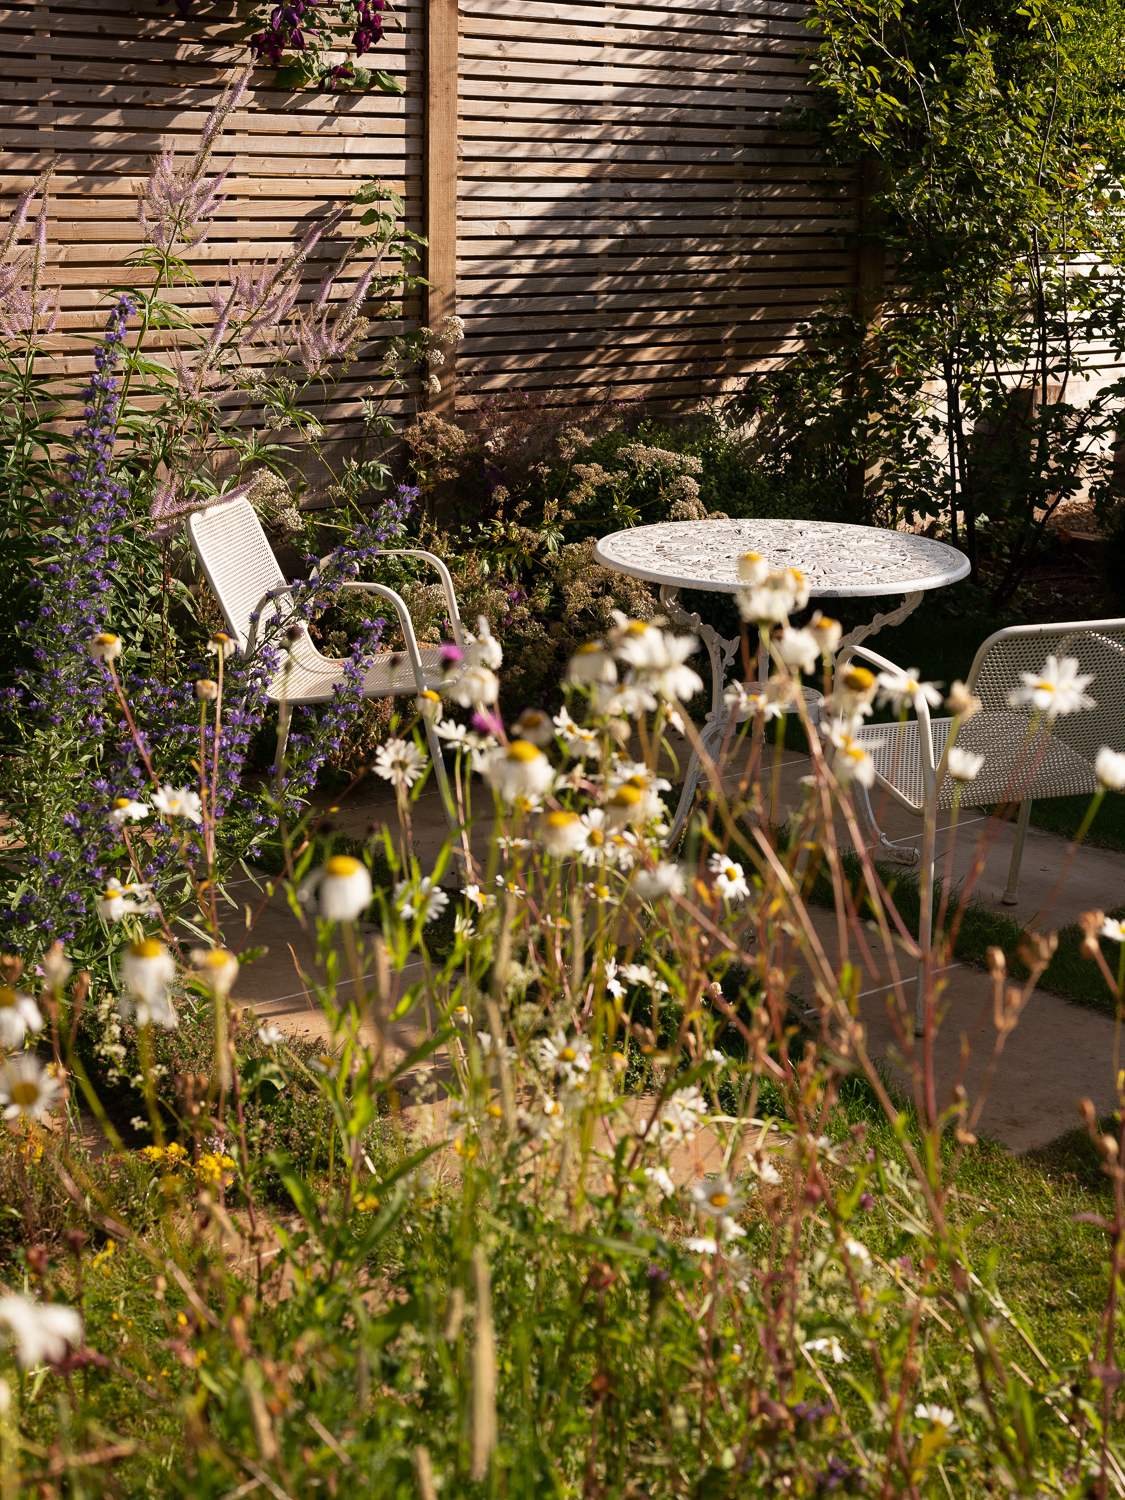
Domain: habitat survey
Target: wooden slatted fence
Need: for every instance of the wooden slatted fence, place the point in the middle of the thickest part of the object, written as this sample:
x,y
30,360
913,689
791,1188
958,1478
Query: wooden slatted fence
x,y
611,199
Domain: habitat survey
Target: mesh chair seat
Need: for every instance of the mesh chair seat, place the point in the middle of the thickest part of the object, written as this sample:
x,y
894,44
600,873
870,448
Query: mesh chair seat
x,y
311,678
1010,755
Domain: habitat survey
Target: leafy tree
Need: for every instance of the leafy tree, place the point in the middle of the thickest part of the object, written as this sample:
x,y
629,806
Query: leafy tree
x,y
987,139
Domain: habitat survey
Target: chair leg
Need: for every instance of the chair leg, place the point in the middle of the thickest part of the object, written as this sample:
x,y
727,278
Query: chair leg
x,y
1011,894
284,715
877,841
461,856
925,914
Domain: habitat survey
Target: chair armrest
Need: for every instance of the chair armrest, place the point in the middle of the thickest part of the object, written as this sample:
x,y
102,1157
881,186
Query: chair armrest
x,y
921,708
404,620
871,656
438,566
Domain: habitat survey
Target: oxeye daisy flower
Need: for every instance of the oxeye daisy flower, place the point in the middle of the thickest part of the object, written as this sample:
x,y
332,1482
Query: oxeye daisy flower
x,y
222,644
19,1014
591,663
27,1090
902,690
1113,930
534,725
42,1331
1058,689
964,765
206,689
147,969
799,648
486,650
518,770
342,886
564,1056
939,1416
400,762
851,761
127,810
179,802
664,880
475,687
429,705
270,1035
717,1197
753,568
425,897
730,879
216,969
117,901
562,833
1109,767
826,632
105,647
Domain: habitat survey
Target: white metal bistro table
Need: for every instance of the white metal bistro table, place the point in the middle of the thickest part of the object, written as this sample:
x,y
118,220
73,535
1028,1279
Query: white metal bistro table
x,y
838,561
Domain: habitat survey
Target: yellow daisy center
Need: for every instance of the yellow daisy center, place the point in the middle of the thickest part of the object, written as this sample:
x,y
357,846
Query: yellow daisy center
x,y
342,865
25,1093
523,751
146,948
568,1054
719,1200
216,958
561,819
859,679
7,997
626,796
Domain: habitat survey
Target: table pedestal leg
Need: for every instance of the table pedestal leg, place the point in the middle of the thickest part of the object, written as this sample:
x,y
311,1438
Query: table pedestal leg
x,y
722,653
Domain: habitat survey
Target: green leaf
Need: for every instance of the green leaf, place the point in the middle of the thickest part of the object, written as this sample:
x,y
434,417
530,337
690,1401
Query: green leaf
x,y
386,82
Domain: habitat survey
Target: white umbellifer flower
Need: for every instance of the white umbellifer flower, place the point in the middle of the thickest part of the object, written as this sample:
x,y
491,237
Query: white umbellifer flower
x,y
105,647
222,644
486,650
179,802
830,1346
429,706
702,1245
591,663
775,598
216,970
562,833
126,810
270,1035
1057,689
941,1416
664,881
19,1014
41,1330
27,1090
1113,929
902,690
826,631
534,725
851,761
343,886
730,878
518,770
717,1197
400,762
964,765
427,897
799,648
475,687
148,969
661,1178
743,703
1109,767
117,901
564,1056
753,568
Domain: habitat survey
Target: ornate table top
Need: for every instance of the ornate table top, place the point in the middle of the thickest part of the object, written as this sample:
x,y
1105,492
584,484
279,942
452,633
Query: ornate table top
x,y
837,560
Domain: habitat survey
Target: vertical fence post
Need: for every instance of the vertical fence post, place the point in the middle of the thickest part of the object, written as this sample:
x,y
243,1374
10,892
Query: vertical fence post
x,y
441,184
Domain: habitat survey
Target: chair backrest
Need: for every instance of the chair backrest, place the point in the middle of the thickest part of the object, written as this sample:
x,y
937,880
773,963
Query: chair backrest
x,y
238,563
1098,645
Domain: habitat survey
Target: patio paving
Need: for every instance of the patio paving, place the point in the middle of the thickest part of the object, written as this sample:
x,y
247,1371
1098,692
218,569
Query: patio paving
x,y
1058,1053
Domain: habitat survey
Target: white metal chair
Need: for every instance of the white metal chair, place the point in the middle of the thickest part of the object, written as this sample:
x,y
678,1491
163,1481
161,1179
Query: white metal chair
x,y
1057,762
239,564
